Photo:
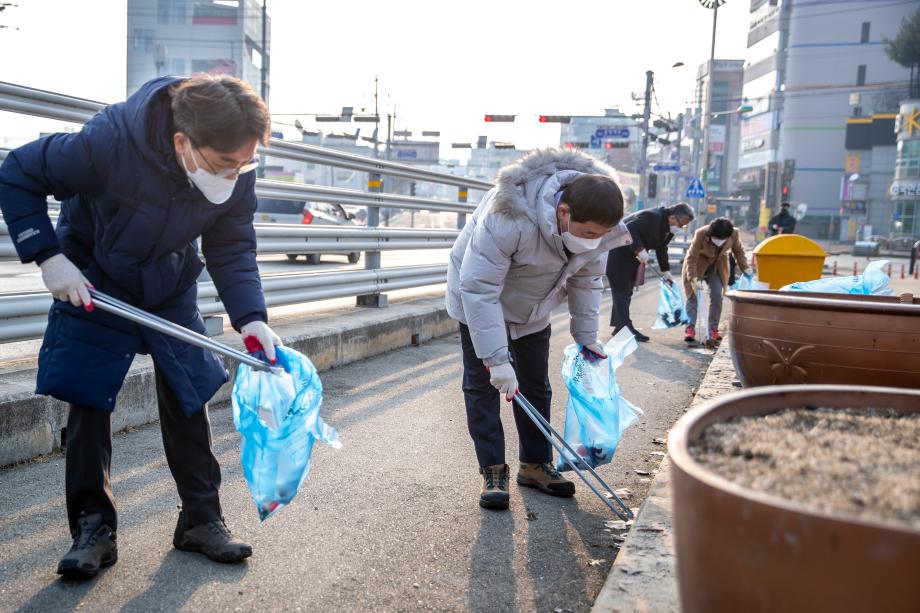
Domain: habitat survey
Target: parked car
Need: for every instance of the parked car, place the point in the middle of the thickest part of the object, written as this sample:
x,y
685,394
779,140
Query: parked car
x,y
298,212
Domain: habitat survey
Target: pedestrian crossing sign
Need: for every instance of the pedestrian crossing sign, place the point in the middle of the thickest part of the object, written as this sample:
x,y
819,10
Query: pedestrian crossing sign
x,y
695,190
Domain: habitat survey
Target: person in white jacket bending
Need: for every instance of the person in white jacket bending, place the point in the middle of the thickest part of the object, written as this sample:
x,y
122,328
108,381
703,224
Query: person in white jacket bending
x,y
539,237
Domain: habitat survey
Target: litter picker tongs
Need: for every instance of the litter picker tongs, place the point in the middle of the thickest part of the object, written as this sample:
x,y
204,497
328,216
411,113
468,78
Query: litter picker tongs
x,y
553,436
139,316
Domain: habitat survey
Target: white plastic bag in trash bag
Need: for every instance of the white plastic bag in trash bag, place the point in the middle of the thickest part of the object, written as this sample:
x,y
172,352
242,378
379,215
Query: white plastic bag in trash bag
x,y
873,281
596,414
277,415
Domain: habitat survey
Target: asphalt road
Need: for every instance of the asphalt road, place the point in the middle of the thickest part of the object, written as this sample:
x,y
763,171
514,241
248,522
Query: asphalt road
x,y
390,522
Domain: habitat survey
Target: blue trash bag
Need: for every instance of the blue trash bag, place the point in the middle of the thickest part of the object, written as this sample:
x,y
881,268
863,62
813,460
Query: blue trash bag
x,y
596,414
277,415
873,282
671,311
747,282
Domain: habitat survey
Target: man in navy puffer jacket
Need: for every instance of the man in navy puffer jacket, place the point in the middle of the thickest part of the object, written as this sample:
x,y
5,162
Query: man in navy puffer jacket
x,y
139,185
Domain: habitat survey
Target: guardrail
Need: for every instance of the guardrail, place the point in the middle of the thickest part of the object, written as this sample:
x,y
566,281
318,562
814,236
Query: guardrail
x,y
284,239
22,316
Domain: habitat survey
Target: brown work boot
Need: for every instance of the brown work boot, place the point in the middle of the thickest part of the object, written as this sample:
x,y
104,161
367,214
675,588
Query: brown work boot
x,y
545,478
494,492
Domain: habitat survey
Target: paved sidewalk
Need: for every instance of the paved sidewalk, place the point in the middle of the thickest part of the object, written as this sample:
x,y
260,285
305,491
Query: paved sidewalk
x,y
388,523
644,577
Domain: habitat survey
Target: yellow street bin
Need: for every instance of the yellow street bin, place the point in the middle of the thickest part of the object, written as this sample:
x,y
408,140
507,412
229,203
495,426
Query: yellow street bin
x,y
787,258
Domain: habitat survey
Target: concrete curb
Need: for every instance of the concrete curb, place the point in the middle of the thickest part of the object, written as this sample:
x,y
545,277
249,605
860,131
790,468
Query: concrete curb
x,y
643,578
30,425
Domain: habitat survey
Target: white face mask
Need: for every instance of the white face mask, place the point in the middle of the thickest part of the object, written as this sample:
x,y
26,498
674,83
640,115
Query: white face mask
x,y
216,189
577,244
718,242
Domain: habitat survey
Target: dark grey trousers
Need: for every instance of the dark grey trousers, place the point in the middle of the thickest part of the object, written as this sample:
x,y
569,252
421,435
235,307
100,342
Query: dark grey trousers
x,y
186,440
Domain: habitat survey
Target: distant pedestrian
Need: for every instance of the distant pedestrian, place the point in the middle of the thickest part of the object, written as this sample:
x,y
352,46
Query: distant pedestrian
x,y
707,260
651,230
783,222
914,255
538,239
140,185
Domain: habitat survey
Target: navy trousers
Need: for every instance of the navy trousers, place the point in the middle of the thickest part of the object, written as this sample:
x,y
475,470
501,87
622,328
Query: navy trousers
x,y
530,358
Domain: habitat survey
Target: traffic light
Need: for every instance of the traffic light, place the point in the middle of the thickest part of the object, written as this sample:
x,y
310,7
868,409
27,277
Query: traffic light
x,y
555,118
788,173
499,118
652,185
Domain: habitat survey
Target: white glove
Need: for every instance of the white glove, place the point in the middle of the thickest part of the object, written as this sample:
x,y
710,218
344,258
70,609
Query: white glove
x,y
667,277
695,285
260,331
642,256
594,352
65,281
504,380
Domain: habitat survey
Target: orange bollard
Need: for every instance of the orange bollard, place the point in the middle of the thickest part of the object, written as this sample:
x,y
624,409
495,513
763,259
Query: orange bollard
x,y
834,271
902,271
889,270
855,269
917,272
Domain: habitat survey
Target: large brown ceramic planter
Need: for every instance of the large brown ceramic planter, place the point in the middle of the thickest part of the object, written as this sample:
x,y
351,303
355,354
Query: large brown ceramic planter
x,y
799,337
744,551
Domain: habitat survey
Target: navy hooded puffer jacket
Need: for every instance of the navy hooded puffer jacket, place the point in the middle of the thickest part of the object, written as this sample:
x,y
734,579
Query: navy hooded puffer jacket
x,y
130,220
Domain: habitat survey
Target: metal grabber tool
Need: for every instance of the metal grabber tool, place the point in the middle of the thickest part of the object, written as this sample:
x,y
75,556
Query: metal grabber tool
x,y
569,454
149,320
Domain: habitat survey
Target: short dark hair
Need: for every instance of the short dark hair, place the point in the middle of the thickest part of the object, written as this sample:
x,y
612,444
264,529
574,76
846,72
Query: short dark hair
x,y
721,227
784,205
594,198
682,210
221,112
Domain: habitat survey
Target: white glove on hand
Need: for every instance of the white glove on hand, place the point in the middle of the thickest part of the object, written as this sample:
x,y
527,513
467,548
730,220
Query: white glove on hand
x,y
260,331
642,256
695,285
594,352
65,281
668,278
504,380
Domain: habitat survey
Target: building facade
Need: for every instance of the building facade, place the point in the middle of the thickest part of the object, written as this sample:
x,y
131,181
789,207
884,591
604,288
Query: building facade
x,y
904,191
613,138
811,65
869,162
184,37
716,153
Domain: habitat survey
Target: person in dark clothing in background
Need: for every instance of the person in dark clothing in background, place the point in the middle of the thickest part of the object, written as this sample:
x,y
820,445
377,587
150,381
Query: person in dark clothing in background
x,y
783,222
651,229
139,184
914,254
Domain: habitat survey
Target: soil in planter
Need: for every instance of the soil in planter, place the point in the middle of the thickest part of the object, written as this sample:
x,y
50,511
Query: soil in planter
x,y
864,463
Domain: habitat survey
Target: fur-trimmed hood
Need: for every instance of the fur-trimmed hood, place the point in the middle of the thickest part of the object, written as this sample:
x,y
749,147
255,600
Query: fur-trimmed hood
x,y
514,184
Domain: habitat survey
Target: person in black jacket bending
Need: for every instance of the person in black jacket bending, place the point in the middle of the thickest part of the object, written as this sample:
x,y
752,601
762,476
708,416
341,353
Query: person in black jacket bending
x,y
650,229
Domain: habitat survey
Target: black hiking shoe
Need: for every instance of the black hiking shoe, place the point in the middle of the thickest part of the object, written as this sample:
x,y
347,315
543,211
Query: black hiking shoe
x,y
93,548
213,539
494,491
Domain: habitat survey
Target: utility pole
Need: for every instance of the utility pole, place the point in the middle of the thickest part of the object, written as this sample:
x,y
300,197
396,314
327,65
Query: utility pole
x,y
264,71
709,79
643,154
680,169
